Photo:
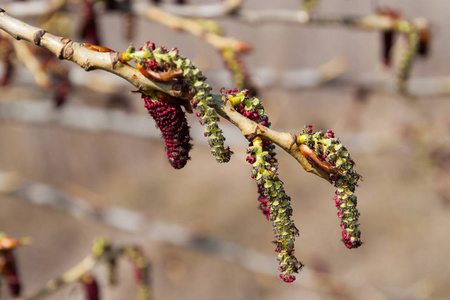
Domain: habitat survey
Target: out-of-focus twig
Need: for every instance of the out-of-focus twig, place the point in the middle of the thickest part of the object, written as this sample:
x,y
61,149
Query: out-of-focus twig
x,y
67,49
102,252
74,274
179,23
204,11
26,56
42,9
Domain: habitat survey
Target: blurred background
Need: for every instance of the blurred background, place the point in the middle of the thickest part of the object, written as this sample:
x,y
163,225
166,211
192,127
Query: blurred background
x,y
200,226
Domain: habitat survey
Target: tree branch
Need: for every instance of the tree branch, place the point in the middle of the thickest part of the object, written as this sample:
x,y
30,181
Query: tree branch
x,y
204,11
111,62
87,59
191,26
251,129
71,276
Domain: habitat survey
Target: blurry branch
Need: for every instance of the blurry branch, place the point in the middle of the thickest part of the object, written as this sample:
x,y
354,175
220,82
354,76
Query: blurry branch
x,y
34,8
31,62
123,219
24,54
301,17
71,276
102,252
38,8
223,8
314,279
232,8
192,27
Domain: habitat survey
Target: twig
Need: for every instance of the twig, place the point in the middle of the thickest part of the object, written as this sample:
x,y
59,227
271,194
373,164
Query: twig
x,y
191,26
34,8
73,275
89,60
24,54
110,61
251,129
204,11
158,231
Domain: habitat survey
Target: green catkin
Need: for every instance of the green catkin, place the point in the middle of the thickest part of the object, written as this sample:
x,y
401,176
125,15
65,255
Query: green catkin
x,y
275,204
330,149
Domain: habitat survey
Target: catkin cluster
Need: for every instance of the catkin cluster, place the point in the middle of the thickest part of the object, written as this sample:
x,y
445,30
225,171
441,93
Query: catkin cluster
x,y
193,79
274,203
335,157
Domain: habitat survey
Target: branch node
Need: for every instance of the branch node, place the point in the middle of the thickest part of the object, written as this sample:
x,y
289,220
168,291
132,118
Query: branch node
x,y
294,141
62,51
68,50
114,58
86,65
252,135
37,36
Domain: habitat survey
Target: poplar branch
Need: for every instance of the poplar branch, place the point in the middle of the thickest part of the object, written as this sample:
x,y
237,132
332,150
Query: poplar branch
x,y
251,129
192,27
301,17
24,54
204,11
110,61
88,59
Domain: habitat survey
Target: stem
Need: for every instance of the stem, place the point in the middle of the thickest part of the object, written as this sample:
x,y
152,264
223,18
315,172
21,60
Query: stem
x,y
87,59
251,129
70,276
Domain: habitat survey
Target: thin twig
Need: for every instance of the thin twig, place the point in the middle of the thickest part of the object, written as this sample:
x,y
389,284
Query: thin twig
x,y
34,8
250,129
89,60
71,276
204,11
30,61
191,26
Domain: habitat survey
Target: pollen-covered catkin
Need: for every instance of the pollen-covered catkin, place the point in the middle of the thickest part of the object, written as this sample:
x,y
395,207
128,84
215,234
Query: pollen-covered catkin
x,y
274,203
331,151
